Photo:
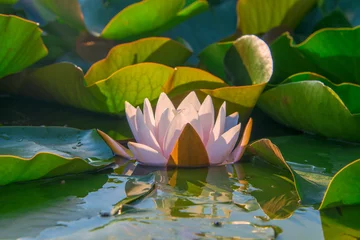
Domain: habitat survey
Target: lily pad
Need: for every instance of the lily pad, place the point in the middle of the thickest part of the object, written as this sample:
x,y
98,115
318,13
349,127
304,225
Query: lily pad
x,y
64,83
331,110
29,153
149,17
21,44
67,11
341,222
154,49
317,167
245,61
259,16
212,58
332,53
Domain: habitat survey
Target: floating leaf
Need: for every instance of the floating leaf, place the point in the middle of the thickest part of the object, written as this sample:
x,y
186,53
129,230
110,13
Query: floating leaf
x,y
245,61
343,188
64,83
21,44
331,110
212,58
155,49
248,61
259,16
29,153
149,17
315,184
67,11
341,222
333,53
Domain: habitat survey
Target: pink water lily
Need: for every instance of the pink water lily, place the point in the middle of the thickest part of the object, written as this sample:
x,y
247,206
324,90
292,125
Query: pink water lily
x,y
160,137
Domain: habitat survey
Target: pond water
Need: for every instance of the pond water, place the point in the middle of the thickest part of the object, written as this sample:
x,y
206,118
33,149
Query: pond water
x,y
244,201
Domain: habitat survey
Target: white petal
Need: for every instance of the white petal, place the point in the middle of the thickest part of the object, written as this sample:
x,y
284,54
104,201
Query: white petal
x,y
190,99
192,117
206,117
219,125
147,155
220,150
131,118
162,104
166,117
149,115
231,121
173,133
144,134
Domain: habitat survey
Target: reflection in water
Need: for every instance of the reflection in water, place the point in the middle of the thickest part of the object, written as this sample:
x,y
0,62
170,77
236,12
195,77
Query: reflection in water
x,y
191,192
306,167
248,200
34,206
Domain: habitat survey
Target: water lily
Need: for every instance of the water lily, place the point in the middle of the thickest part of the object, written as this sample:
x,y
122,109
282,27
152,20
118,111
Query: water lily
x,y
186,136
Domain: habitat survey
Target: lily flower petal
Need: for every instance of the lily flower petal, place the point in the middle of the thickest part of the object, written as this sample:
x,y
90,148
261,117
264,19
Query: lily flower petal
x,y
147,155
206,117
131,118
231,121
219,150
219,125
163,103
116,147
190,99
192,117
166,117
149,115
239,150
173,133
144,134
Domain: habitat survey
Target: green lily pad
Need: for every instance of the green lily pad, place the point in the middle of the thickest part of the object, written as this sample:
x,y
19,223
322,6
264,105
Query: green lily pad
x,y
64,83
68,11
333,53
331,110
248,61
147,18
212,58
258,16
341,222
21,44
323,172
29,153
155,49
245,61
